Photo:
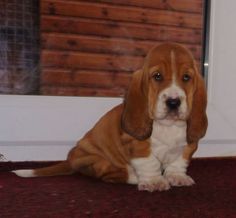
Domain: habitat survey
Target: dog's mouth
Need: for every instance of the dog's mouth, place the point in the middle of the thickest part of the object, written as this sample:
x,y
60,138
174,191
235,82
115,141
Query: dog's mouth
x,y
173,115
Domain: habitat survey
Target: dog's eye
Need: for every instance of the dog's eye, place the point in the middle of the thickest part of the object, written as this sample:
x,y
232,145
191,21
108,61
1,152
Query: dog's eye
x,y
158,76
186,77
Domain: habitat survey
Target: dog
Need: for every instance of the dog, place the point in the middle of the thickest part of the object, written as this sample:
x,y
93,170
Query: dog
x,y
150,138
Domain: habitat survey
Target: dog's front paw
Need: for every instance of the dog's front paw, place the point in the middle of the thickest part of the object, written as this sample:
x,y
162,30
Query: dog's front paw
x,y
179,179
155,184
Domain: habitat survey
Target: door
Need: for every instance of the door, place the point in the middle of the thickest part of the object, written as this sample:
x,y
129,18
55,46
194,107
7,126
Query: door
x,y
221,137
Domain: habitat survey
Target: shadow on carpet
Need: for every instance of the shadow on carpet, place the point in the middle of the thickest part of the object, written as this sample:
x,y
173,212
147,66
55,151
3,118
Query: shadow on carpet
x,y
214,195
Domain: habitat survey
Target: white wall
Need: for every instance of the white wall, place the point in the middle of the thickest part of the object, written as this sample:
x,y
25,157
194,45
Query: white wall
x,y
46,127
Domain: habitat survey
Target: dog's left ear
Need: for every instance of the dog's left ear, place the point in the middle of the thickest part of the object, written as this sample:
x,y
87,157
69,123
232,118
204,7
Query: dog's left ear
x,y
135,117
197,122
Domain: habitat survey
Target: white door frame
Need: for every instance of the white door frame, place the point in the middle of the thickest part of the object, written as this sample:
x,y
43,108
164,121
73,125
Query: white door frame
x,y
45,128
221,136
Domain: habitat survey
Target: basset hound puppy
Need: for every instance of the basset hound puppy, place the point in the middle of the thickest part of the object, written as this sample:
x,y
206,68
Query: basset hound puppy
x,y
150,138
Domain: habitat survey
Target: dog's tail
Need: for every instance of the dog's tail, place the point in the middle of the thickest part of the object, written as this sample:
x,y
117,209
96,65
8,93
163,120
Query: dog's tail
x,y
62,168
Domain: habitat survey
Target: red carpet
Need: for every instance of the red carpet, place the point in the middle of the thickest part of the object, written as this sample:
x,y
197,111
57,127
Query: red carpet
x,y
214,195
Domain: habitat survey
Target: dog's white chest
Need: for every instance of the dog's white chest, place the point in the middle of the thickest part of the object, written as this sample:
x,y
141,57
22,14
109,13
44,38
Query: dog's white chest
x,y
168,139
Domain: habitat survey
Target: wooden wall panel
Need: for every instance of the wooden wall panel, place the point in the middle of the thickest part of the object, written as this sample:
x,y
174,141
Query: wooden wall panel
x,y
131,31
93,44
77,60
87,78
189,6
121,13
92,47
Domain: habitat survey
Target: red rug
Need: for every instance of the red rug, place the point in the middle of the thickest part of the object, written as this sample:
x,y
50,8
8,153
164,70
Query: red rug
x,y
214,195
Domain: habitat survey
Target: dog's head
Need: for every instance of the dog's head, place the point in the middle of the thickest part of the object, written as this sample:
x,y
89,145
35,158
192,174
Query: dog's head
x,y
167,88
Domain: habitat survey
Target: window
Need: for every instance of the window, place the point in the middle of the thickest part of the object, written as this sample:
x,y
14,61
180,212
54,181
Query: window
x,y
19,46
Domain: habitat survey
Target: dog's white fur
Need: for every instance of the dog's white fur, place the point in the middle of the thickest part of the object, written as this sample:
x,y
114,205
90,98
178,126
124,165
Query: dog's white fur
x,y
24,173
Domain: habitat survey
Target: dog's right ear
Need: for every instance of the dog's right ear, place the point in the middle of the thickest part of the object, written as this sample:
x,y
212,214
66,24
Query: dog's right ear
x,y
135,117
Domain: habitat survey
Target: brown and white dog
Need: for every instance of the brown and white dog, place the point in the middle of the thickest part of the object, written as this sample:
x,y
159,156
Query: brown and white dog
x,y
150,138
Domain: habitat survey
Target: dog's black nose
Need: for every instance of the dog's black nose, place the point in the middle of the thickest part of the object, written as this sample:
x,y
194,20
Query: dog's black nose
x,y
173,103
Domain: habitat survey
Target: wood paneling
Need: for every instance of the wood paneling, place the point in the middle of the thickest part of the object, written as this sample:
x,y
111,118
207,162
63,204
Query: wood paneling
x,y
92,47
121,13
189,6
131,31
78,60
93,44
85,78
81,91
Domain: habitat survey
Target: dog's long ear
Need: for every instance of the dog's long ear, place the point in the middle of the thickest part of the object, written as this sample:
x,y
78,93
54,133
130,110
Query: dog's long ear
x,y
135,117
197,122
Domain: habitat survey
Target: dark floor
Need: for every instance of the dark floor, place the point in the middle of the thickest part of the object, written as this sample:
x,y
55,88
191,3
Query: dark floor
x,y
214,195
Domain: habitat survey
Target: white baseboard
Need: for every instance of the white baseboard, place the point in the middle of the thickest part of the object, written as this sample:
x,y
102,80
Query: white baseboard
x,y
34,153
216,149
44,151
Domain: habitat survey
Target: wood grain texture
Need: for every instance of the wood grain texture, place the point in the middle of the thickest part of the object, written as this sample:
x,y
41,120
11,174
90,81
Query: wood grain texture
x,y
121,13
81,91
91,47
79,60
85,78
189,6
121,30
93,44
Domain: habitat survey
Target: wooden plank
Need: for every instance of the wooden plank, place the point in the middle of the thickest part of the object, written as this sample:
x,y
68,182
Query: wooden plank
x,y
84,78
120,30
72,42
194,6
121,13
81,91
78,60
99,62
93,44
